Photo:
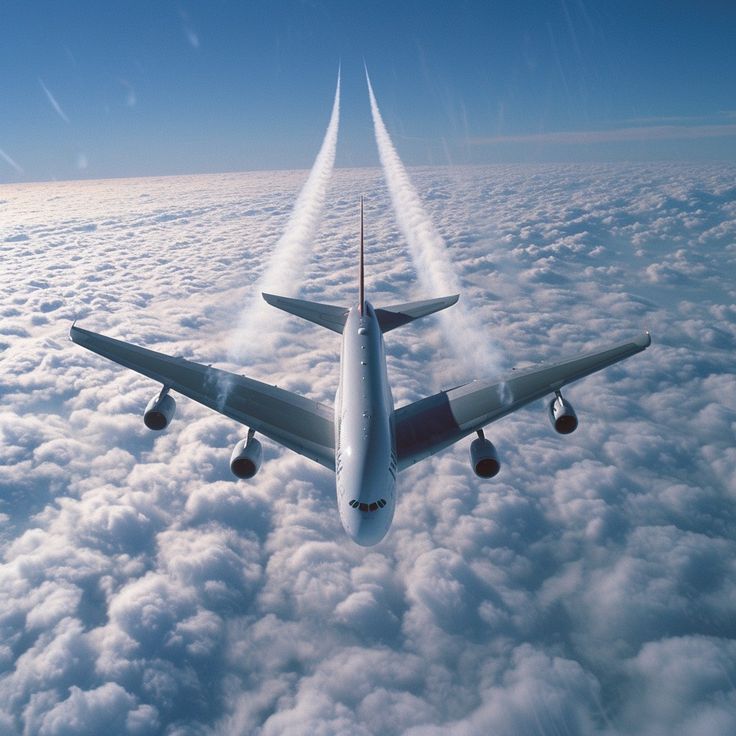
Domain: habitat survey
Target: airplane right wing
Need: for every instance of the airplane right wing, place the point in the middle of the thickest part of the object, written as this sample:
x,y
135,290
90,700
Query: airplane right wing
x,y
432,424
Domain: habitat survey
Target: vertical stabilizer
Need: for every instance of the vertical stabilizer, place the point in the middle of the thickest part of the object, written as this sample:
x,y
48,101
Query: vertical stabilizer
x,y
361,294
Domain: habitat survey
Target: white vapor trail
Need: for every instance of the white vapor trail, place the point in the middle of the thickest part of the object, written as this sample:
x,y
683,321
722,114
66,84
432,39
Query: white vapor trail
x,y
290,254
53,102
13,164
430,255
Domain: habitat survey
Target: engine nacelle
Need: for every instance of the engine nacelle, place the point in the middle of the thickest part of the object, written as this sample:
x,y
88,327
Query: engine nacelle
x,y
159,412
246,458
562,415
484,458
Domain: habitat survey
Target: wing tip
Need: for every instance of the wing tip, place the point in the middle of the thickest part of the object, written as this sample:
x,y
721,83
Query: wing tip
x,y
644,340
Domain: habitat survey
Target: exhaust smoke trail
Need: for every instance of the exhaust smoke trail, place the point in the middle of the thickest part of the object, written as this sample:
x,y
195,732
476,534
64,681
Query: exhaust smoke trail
x,y
430,256
13,164
290,254
53,101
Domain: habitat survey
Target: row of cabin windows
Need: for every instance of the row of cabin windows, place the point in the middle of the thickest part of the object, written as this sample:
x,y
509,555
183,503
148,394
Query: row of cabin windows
x,y
369,506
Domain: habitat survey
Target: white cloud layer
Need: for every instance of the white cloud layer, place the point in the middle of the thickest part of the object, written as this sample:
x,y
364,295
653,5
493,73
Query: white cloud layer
x,y
589,589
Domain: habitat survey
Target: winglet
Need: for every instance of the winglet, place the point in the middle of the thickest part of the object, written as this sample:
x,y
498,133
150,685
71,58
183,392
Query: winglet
x,y
361,294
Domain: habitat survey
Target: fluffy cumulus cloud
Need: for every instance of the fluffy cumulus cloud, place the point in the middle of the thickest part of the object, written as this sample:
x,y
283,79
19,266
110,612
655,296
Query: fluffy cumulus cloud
x,y
589,589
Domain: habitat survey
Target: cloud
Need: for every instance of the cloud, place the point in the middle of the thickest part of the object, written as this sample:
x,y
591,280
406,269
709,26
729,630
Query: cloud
x,y
588,589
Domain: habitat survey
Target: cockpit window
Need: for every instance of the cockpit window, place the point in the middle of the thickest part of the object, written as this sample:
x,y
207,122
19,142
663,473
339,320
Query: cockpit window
x,y
368,506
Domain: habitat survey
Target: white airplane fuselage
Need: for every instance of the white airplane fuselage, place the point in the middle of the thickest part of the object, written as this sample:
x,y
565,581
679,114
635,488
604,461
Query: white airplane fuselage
x,y
365,455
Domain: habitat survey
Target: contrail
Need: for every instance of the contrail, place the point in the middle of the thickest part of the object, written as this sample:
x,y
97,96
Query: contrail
x,y
53,102
290,254
430,255
13,164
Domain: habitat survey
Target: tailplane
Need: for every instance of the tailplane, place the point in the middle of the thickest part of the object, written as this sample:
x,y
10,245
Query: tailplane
x,y
390,318
327,315
334,318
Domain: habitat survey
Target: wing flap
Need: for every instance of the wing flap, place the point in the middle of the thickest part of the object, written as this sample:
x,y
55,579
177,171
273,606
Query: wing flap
x,y
294,421
432,424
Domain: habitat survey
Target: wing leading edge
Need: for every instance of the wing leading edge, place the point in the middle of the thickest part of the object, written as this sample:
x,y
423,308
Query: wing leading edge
x,y
302,425
432,424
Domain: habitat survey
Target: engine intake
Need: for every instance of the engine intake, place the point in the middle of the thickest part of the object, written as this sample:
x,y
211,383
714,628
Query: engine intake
x,y
562,415
159,412
246,458
484,457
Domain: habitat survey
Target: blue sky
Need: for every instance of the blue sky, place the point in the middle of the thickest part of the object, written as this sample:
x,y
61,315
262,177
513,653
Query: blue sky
x,y
138,88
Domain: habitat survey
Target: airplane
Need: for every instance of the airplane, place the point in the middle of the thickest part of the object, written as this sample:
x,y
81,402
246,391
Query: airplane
x,y
364,439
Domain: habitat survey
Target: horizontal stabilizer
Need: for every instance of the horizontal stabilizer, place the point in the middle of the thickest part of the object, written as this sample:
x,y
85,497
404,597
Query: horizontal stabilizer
x,y
331,317
401,314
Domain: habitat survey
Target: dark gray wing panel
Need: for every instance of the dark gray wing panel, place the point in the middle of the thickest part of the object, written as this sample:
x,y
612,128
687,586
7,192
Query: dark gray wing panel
x,y
432,424
302,425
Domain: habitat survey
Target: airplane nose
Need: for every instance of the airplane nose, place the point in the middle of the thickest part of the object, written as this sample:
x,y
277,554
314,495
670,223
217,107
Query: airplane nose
x,y
368,528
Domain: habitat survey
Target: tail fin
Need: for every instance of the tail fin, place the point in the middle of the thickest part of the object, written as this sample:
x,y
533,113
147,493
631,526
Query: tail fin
x,y
327,315
401,314
361,292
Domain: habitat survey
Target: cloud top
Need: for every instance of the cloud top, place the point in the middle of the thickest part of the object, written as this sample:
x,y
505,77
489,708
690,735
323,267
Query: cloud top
x,y
588,589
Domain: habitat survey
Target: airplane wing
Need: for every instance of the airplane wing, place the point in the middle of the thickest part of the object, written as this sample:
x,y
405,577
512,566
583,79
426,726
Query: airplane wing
x,y
302,425
432,424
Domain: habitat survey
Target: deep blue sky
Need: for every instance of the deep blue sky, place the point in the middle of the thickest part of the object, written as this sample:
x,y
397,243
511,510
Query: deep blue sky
x,y
160,88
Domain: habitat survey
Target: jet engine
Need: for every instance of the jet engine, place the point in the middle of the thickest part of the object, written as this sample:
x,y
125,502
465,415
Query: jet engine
x,y
562,415
159,412
246,458
483,457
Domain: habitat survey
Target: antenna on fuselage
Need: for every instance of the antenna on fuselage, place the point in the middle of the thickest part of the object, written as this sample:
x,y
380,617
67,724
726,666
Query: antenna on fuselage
x,y
361,295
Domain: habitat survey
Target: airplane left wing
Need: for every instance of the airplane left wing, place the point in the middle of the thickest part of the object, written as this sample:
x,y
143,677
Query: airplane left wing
x,y
432,424
302,425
